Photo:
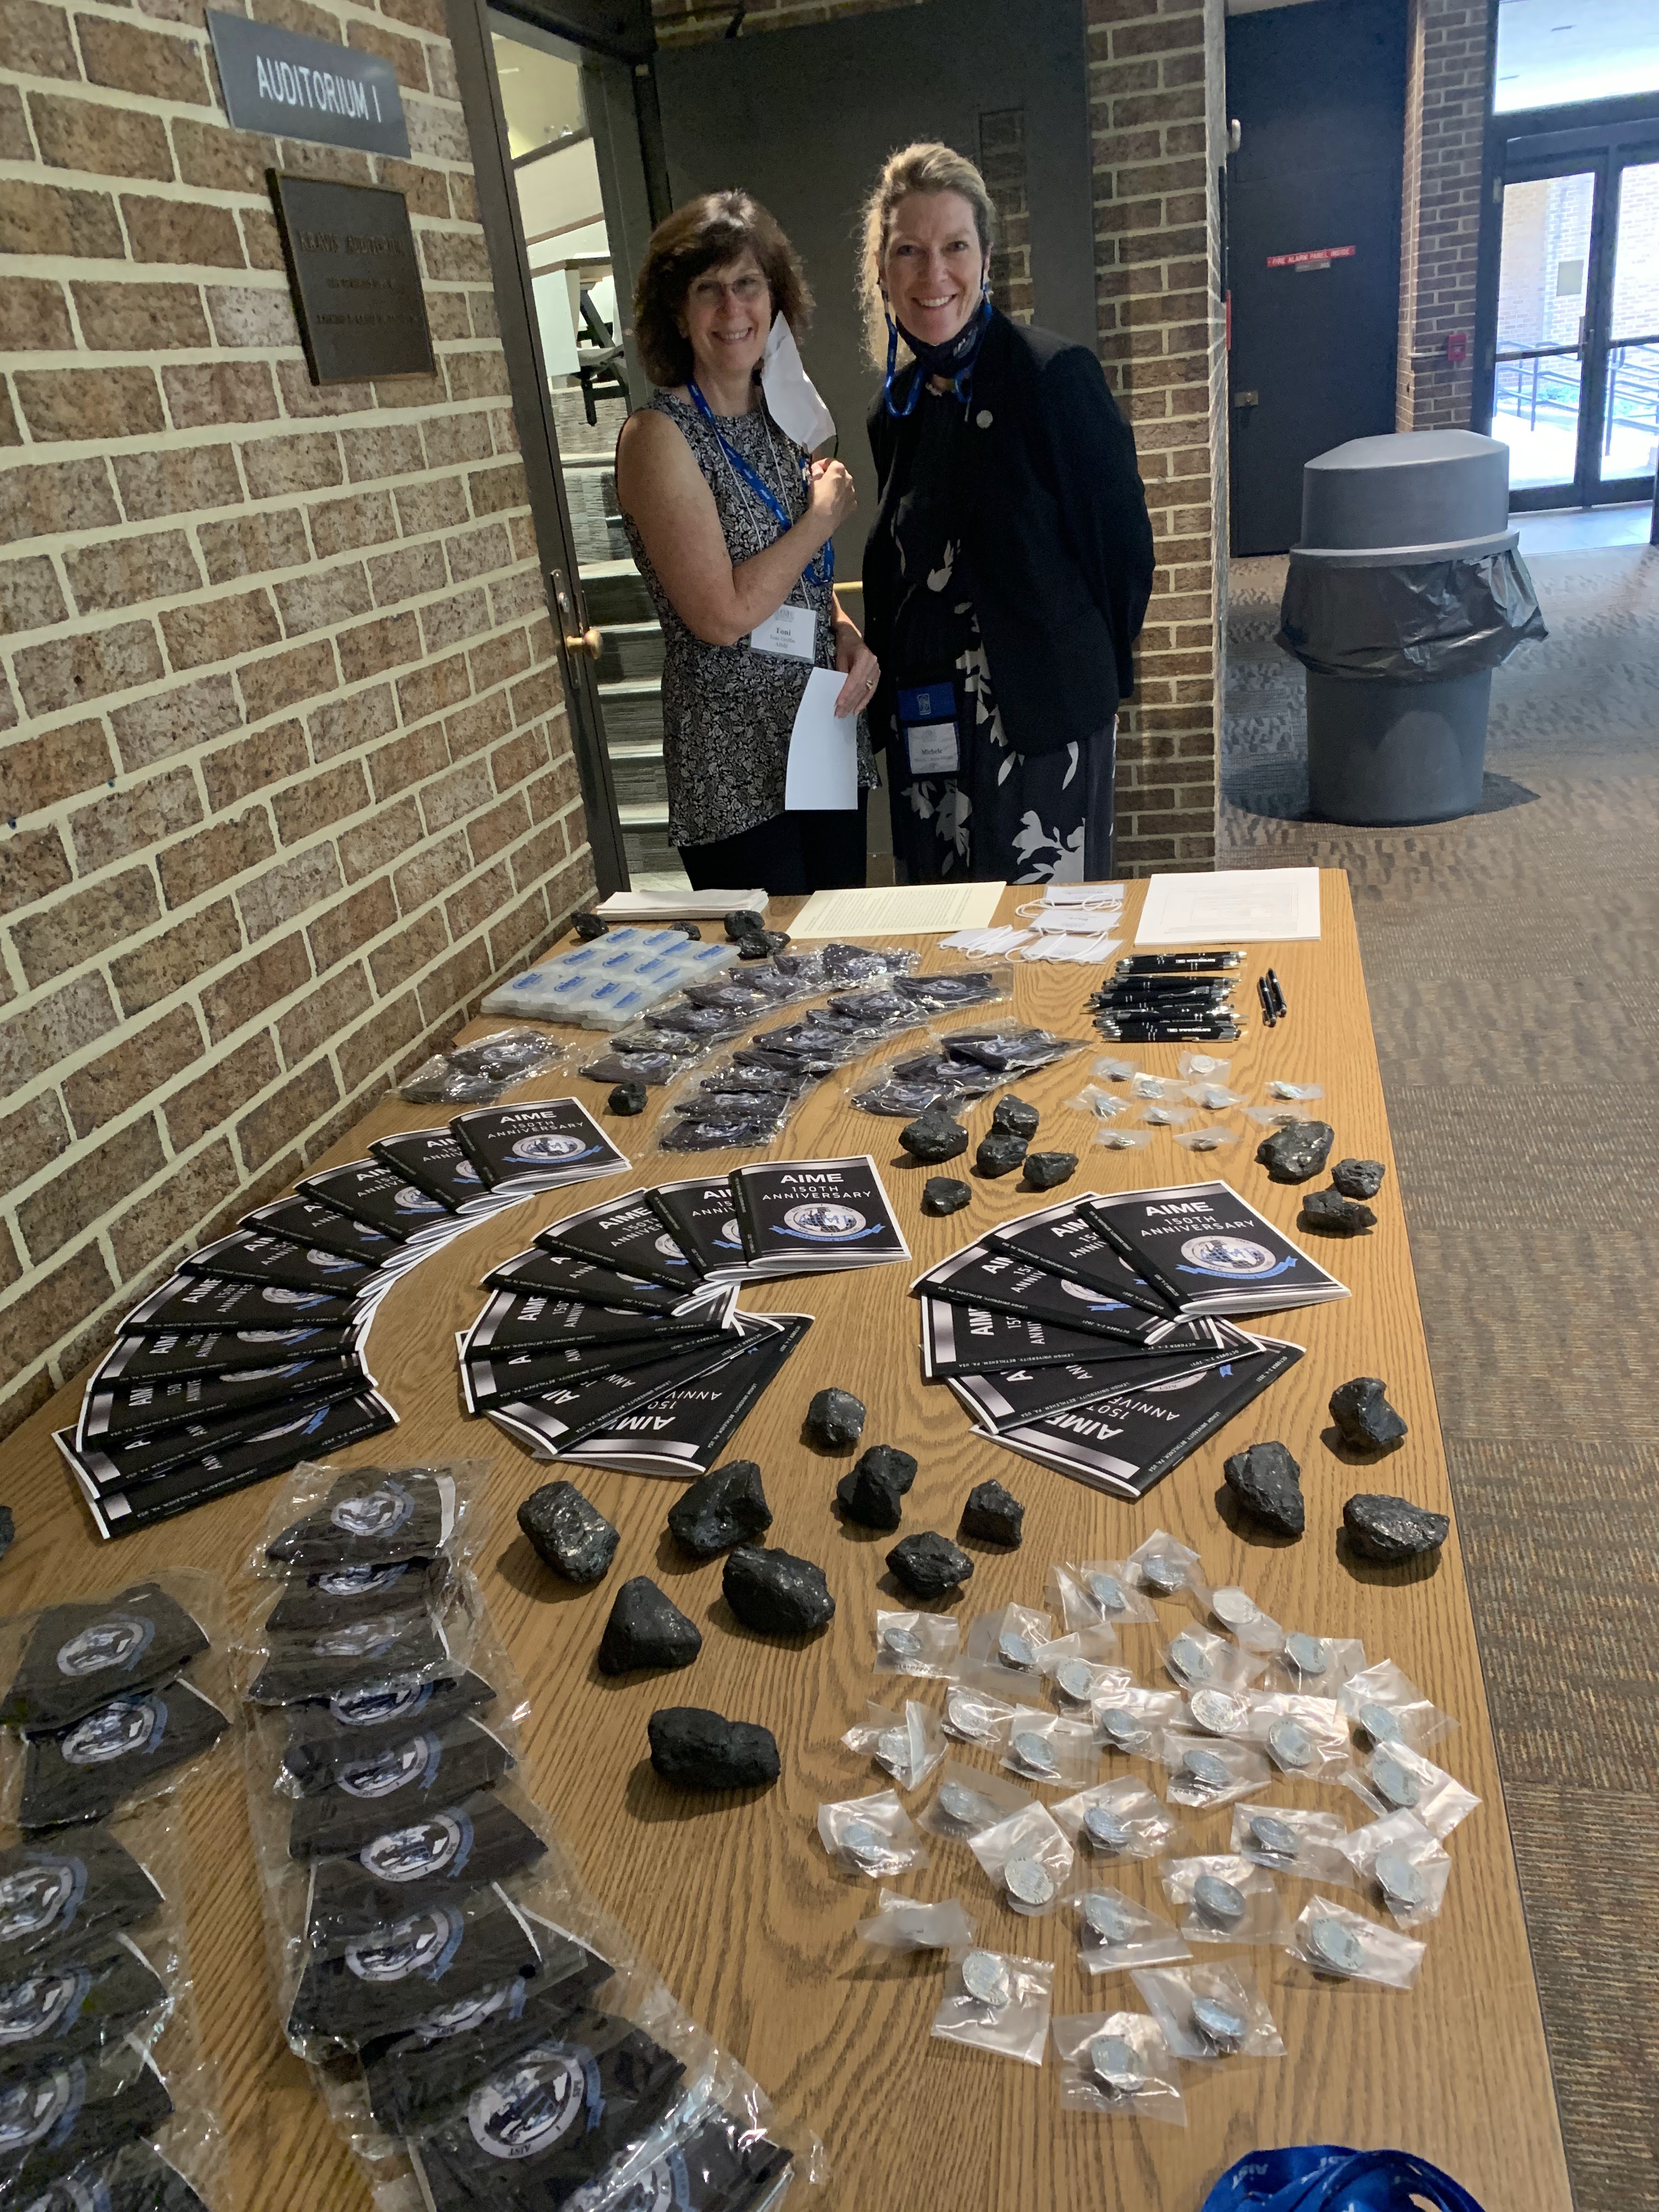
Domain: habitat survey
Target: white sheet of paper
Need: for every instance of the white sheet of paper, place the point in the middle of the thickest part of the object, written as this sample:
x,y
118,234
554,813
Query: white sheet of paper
x,y
898,910
1233,906
679,906
823,750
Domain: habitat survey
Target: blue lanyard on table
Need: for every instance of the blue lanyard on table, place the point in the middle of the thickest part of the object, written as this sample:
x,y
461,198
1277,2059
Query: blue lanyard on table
x,y
1330,2178
821,568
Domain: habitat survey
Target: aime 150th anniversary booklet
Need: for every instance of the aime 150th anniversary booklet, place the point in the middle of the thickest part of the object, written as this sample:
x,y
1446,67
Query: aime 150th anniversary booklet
x,y
813,1217
1209,1251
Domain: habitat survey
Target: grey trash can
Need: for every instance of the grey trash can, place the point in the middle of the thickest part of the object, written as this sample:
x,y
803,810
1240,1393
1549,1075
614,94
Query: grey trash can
x,y
1406,593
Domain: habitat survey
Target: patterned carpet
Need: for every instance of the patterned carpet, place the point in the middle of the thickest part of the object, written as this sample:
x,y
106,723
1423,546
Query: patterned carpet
x,y
1510,961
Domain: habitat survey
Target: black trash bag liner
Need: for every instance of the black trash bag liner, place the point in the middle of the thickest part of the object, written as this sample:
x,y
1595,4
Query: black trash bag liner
x,y
1414,623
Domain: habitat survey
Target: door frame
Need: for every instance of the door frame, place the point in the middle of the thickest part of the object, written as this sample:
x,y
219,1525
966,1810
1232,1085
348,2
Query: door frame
x,y
527,369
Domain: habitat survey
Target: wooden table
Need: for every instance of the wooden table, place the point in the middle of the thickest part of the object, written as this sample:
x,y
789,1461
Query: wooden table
x,y
736,1903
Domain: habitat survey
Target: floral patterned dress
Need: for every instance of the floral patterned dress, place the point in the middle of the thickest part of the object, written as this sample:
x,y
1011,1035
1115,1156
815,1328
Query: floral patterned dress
x,y
1002,816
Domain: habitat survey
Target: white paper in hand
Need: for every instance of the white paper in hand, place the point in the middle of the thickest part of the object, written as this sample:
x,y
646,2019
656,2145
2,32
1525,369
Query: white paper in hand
x,y
790,391
824,751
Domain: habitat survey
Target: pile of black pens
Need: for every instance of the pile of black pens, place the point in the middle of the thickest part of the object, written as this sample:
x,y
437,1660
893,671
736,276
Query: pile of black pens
x,y
1274,1008
1157,997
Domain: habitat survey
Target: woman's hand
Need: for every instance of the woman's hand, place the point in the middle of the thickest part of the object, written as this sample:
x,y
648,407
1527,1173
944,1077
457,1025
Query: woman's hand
x,y
860,666
830,497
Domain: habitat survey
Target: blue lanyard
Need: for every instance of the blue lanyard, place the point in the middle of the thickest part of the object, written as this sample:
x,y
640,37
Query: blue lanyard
x,y
819,570
962,384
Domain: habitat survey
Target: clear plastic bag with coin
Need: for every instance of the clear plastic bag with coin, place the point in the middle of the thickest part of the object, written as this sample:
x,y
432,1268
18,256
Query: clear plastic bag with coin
x,y
1115,1933
1208,1137
1204,1067
1384,1705
924,1644
1045,1747
1226,1898
1389,1778
1315,1666
1118,1819
968,1800
1029,1859
1227,1713
1213,1094
1132,1721
1002,1650
1115,1138
1208,1770
872,1837
1399,1866
1104,1105
909,1746
904,1924
1165,1090
1303,1736
1238,1612
1198,1658
1113,1068
1284,1839
996,2001
1093,1592
1209,2014
1165,1567
1119,2063
1079,1669
975,1716
1342,1946
1279,1089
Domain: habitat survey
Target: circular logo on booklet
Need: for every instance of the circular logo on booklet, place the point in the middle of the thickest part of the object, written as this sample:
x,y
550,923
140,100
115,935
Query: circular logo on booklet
x,y
383,1771
395,1950
35,2006
378,1512
372,1704
731,1234
34,1897
275,1295
116,1641
668,1247
426,1848
520,2114
824,1220
410,1200
358,1639
548,1146
1083,1295
127,1725
1228,1256
328,1260
31,2110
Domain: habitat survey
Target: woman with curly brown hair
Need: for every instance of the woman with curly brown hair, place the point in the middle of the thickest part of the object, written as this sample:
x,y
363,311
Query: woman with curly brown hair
x,y
730,523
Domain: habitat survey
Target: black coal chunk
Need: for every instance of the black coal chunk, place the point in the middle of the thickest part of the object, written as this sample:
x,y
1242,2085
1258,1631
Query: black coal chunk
x,y
1363,1414
647,1629
1267,1483
933,1136
688,929
724,1507
742,923
8,1530
874,1493
628,1099
1017,1116
944,1194
1044,1170
834,1419
999,1153
1330,1211
761,943
1298,1152
1359,1178
573,1537
776,1593
589,926
929,1565
992,1513
1392,1529
695,1749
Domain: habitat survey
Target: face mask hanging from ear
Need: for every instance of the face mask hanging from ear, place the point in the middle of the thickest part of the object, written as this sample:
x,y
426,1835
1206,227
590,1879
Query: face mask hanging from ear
x,y
791,394
954,359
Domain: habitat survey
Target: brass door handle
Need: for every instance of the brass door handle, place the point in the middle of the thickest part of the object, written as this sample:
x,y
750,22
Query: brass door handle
x,y
587,640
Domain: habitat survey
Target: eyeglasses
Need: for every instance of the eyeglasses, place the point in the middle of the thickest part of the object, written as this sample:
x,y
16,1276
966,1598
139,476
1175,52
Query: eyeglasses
x,y
708,291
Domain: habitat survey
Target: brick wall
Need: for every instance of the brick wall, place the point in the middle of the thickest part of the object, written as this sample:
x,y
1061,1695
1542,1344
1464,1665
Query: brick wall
x,y
1156,111
1001,161
284,774
1448,70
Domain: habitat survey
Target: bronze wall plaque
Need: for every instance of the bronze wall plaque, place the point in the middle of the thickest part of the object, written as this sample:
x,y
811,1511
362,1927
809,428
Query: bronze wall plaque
x,y
356,284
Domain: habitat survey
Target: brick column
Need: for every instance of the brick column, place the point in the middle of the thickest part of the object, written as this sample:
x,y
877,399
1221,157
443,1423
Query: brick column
x,y
1156,71
1447,71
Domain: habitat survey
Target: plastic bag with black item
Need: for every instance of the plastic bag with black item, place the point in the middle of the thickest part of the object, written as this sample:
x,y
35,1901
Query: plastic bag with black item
x,y
1410,622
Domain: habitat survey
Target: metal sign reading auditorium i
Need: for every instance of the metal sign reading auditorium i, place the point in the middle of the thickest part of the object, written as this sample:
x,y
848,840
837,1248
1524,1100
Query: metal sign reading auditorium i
x,y
355,281
291,87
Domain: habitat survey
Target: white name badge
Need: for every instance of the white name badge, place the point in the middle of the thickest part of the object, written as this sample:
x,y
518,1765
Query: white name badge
x,y
932,748
792,632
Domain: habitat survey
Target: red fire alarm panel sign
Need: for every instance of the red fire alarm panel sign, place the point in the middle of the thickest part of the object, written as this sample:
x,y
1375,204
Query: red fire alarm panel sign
x,y
1319,257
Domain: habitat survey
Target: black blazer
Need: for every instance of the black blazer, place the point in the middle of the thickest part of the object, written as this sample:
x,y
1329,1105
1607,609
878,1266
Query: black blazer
x,y
1052,523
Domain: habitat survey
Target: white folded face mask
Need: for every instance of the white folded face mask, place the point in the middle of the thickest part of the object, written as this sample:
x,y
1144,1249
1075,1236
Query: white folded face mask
x,y
791,394
1090,951
1003,939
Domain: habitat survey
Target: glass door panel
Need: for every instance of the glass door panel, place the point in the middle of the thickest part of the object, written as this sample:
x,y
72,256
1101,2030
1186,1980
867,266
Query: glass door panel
x,y
1543,273
1630,420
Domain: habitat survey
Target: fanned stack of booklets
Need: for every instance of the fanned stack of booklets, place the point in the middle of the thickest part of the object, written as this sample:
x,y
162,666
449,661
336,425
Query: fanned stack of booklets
x,y
615,1341
252,1356
1094,1336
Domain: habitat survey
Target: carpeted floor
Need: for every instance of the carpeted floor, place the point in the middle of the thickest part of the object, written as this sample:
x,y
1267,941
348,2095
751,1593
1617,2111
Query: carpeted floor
x,y
1510,961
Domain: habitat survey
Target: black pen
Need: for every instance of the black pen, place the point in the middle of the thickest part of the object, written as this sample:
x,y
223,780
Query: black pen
x,y
1268,1013
1279,1007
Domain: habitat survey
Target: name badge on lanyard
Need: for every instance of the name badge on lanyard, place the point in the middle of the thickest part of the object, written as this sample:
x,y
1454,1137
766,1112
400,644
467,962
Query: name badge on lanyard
x,y
792,632
927,715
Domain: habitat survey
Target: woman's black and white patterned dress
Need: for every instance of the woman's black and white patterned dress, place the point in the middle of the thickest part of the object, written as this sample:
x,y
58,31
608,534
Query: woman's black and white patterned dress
x,y
1003,816
727,710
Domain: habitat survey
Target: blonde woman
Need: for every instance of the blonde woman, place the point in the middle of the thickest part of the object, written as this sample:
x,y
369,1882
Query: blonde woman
x,y
1006,575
